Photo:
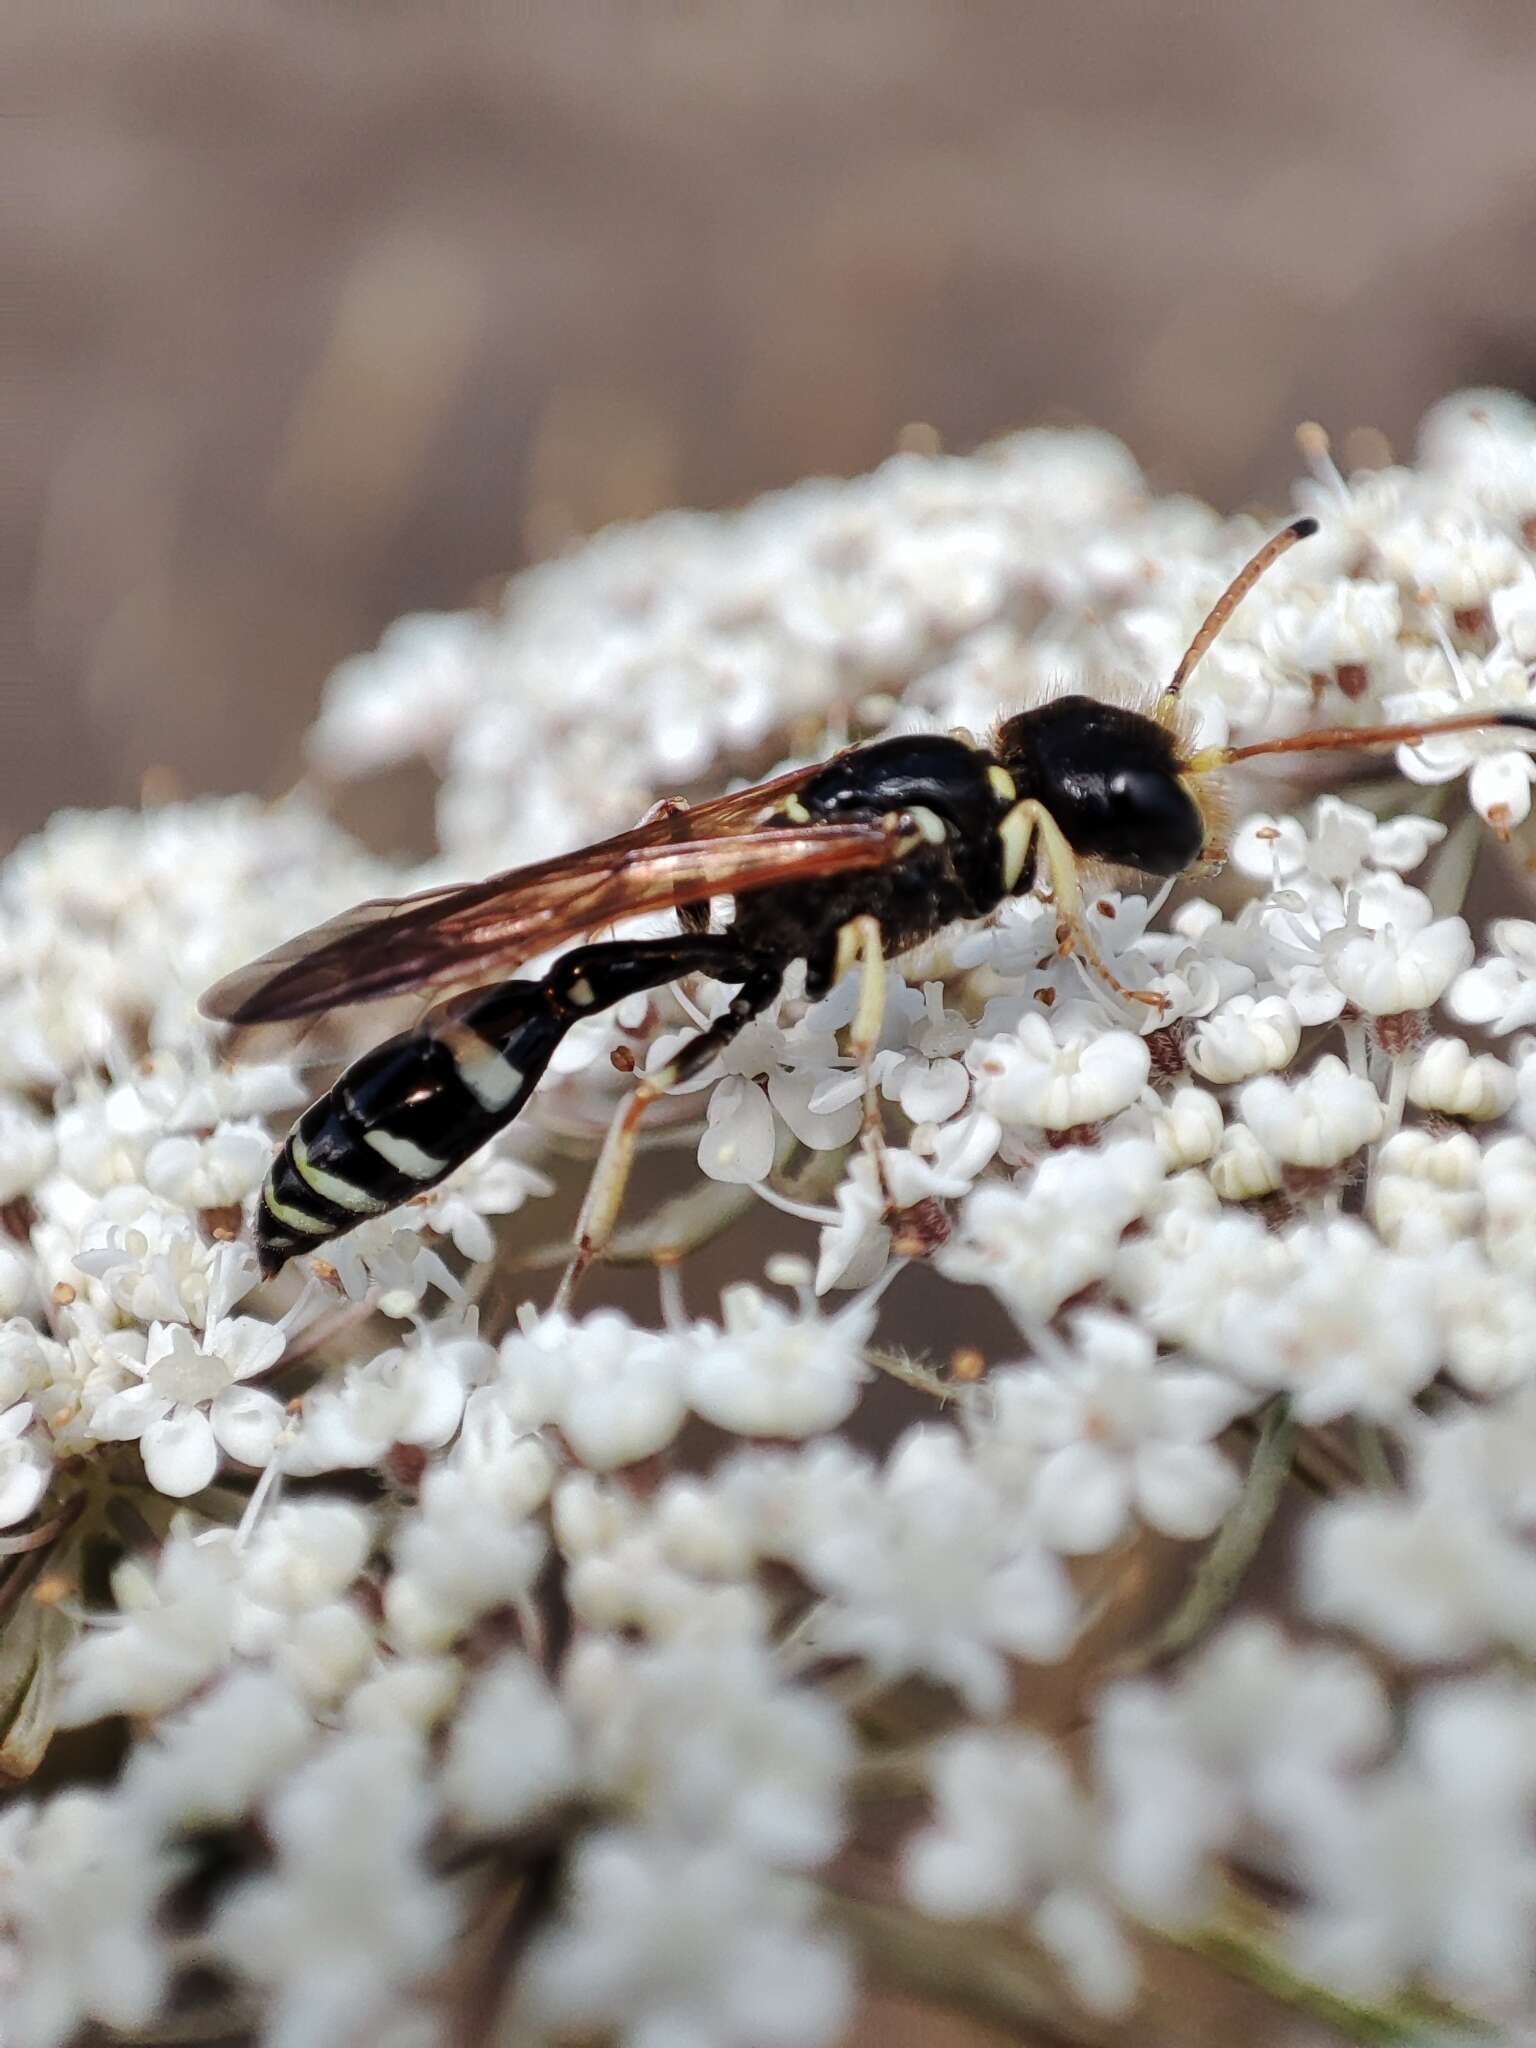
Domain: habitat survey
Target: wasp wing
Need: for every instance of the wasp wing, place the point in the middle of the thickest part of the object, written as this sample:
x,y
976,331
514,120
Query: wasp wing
x,y
447,936
737,811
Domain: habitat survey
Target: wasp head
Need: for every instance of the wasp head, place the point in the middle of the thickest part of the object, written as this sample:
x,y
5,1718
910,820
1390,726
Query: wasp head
x,y
1111,778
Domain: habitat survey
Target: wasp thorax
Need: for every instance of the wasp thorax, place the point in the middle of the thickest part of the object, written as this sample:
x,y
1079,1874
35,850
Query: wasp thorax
x,y
1110,778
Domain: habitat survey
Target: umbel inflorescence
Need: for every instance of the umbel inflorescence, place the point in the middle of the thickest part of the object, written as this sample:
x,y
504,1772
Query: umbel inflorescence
x,y
502,1673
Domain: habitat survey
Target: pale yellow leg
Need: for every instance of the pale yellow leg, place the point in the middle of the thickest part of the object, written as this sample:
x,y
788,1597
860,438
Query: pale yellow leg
x,y
1072,926
860,942
610,1176
605,1191
869,1017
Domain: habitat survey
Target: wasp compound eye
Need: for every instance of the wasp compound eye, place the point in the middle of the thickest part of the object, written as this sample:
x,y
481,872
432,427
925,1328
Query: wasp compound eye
x,y
1154,819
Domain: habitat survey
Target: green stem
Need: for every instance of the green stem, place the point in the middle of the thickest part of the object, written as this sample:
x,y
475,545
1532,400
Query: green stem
x,y
1375,1465
1453,864
1405,2019
1222,1569
967,1968
987,1971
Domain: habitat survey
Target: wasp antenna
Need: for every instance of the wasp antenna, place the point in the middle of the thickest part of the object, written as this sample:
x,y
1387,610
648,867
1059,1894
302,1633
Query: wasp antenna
x,y
1329,738
1233,595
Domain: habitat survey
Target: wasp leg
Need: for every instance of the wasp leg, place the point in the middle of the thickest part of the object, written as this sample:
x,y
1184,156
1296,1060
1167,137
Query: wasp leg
x,y
860,943
1072,925
860,940
610,1177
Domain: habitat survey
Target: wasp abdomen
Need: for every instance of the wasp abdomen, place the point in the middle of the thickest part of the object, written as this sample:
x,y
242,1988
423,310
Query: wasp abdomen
x,y
406,1114
402,1117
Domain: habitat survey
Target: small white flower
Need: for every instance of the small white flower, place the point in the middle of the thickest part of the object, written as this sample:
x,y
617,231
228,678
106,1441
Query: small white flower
x,y
1106,1431
1038,1245
1011,1832
16,1284
1247,1036
26,1464
1332,844
1293,935
737,1145
674,1944
176,1629
492,1785
854,1250
1318,1121
1188,1128
711,1744
1352,1329
1403,842
468,1548
1449,1077
324,1652
519,1469
349,1916
154,1267
413,1394
216,1172
616,1393
1034,1079
1425,1868
405,1696
1500,991
1253,1736
1499,782
30,1363
1385,972
210,1762
1427,1190
1489,1317
405,698
305,1554
941,1163
772,1372
927,1568
1242,1171
385,1258
86,1879
929,1080
702,1529
1431,1575
27,1147
173,1410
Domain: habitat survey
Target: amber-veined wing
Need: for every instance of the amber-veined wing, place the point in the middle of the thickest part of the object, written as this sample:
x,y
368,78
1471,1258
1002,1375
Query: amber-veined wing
x,y
448,936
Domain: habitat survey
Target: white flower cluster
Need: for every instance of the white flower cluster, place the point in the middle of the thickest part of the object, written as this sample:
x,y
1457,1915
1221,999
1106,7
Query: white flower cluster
x,y
552,1668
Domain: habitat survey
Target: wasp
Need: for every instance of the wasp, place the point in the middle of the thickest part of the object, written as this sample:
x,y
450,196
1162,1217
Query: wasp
x,y
842,863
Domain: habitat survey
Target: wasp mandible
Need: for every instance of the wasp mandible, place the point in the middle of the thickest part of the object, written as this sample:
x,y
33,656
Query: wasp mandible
x,y
845,862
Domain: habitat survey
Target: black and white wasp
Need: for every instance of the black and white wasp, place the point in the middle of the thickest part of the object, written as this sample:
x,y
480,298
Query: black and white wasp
x,y
845,862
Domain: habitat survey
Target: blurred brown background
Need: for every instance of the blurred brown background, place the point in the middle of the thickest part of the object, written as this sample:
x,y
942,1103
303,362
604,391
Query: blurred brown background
x,y
322,313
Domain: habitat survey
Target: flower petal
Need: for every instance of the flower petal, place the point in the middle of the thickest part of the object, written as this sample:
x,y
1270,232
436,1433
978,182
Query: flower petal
x,y
737,1146
180,1454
